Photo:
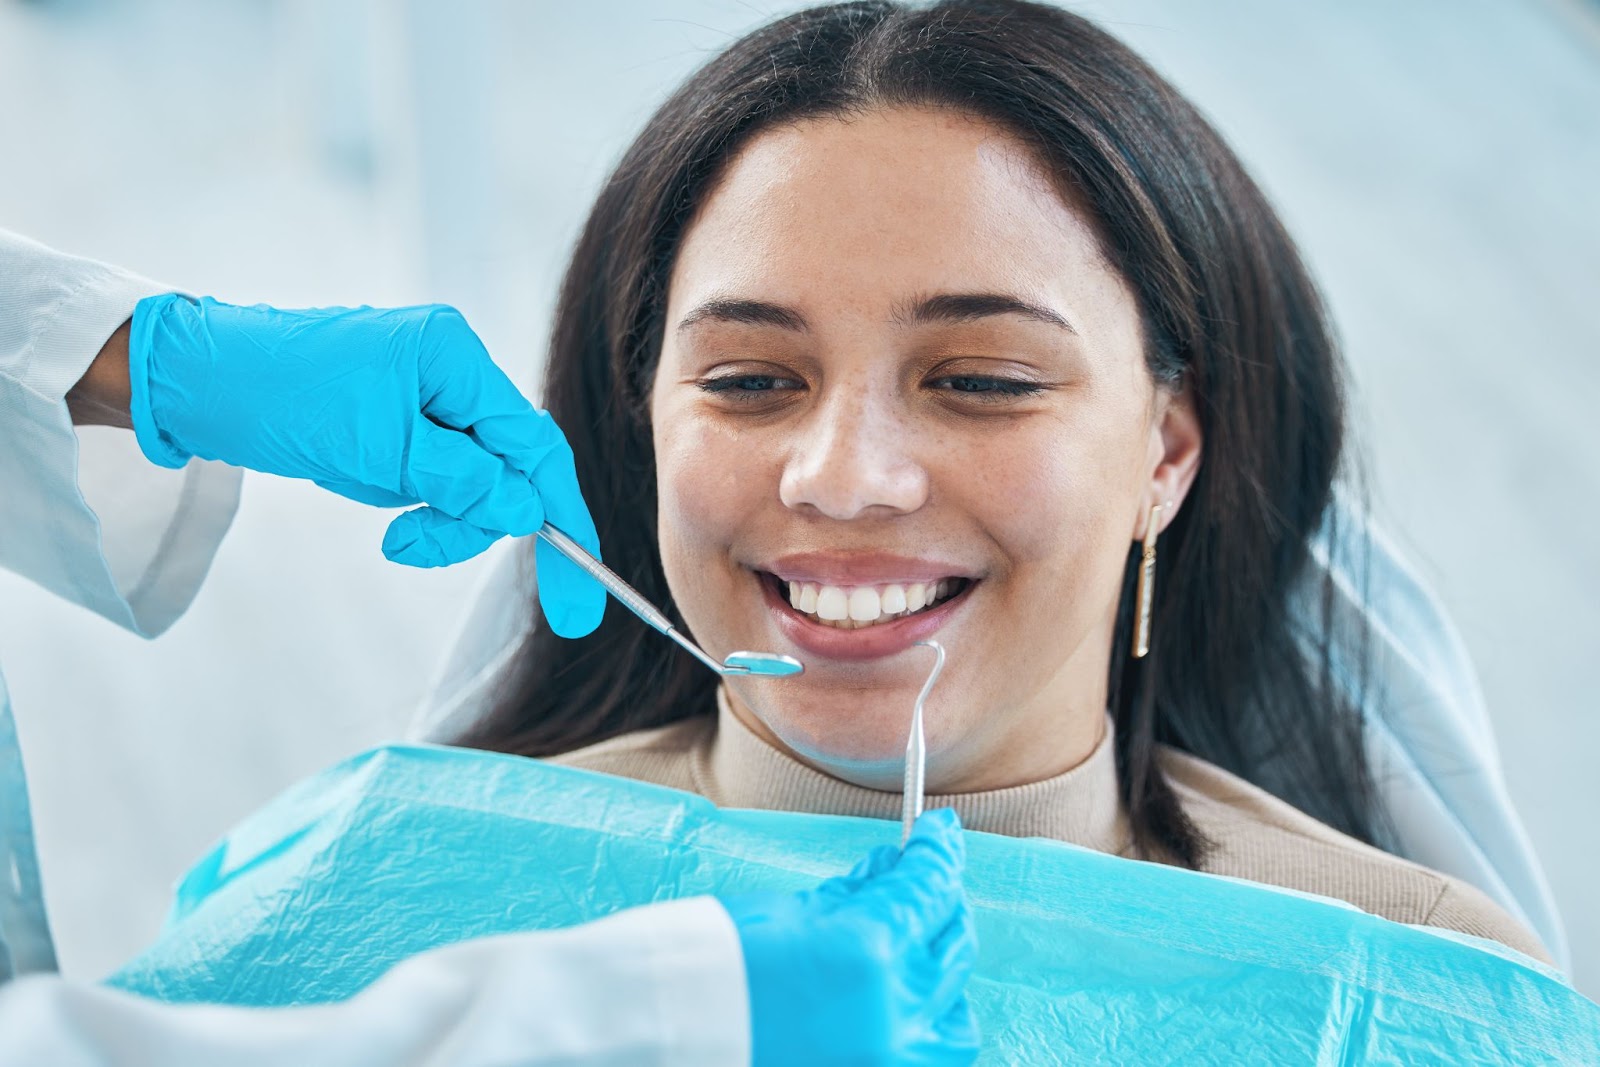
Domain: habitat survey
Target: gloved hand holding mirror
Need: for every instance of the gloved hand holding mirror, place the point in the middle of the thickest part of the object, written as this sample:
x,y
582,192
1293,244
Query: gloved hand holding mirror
x,y
392,407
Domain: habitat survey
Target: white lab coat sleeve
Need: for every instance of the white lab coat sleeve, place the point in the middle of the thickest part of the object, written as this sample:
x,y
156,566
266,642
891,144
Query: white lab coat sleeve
x,y
661,985
89,518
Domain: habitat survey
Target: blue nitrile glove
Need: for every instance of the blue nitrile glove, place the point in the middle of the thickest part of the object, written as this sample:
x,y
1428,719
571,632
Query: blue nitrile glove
x,y
870,968
387,406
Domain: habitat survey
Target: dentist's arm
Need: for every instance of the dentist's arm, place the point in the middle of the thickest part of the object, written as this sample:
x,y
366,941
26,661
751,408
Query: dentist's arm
x,y
661,985
93,522
397,407
103,396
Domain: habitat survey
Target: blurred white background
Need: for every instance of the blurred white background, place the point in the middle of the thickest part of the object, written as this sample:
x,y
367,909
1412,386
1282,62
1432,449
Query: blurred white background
x,y
1437,160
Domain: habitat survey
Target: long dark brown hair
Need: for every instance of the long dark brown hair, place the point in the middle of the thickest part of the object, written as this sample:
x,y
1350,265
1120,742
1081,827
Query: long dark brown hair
x,y
1230,314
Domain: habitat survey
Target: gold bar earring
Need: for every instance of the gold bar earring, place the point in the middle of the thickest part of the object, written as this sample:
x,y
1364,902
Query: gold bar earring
x,y
1145,592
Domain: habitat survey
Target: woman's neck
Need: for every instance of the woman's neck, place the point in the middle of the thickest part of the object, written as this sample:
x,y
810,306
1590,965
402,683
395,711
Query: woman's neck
x,y
738,768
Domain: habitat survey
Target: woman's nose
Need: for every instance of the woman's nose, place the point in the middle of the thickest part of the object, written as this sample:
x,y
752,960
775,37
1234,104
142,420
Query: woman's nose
x,y
851,459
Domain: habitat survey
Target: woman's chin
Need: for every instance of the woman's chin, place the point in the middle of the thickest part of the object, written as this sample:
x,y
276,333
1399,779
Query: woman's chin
x,y
868,752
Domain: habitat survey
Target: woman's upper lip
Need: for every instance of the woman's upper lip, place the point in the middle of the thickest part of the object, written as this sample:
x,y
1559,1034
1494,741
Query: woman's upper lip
x,y
861,568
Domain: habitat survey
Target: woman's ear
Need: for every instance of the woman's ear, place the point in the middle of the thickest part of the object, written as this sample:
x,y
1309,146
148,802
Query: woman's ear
x,y
1175,446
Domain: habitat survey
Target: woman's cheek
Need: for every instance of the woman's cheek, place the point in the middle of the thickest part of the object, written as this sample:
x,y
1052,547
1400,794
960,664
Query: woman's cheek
x,y
677,496
1031,497
705,484
707,480
1051,505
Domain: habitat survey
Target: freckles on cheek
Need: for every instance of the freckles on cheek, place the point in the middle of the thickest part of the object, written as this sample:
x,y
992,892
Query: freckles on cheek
x,y
1056,505
701,489
1038,504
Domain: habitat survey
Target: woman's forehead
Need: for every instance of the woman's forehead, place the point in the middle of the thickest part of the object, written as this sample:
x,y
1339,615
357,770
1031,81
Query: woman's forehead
x,y
880,207
858,218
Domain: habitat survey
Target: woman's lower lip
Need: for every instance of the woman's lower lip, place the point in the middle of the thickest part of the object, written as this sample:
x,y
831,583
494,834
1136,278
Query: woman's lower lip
x,y
870,642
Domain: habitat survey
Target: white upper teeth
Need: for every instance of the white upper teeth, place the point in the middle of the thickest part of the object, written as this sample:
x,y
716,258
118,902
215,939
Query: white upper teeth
x,y
865,603
916,597
833,603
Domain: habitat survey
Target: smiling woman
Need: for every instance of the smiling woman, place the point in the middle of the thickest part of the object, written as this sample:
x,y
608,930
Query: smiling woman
x,y
912,380
898,323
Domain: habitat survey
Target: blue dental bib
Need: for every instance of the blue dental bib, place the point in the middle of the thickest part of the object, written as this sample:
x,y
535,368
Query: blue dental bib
x,y
1084,957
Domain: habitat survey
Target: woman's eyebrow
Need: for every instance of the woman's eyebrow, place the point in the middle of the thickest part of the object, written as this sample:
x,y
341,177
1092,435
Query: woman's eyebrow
x,y
965,307
944,307
746,312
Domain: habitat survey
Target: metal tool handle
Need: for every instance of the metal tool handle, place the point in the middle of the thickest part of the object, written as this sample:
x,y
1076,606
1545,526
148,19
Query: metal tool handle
x,y
916,769
917,750
627,595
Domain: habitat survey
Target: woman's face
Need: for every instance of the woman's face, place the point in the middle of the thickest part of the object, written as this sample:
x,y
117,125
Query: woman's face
x,y
902,396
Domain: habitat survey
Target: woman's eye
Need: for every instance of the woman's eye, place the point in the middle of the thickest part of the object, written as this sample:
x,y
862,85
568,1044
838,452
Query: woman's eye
x,y
739,386
986,388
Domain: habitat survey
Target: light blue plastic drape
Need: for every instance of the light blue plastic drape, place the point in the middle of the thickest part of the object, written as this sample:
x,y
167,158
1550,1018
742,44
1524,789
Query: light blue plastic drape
x,y
1083,957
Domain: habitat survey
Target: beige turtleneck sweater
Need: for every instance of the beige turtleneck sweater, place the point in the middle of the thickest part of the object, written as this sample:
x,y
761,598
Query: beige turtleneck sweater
x,y
1255,836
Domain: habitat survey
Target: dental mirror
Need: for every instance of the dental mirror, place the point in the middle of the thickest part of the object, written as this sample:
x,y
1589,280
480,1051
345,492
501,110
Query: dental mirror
x,y
769,664
764,664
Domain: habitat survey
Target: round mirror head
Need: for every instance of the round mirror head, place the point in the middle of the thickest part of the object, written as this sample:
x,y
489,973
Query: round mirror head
x,y
765,663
